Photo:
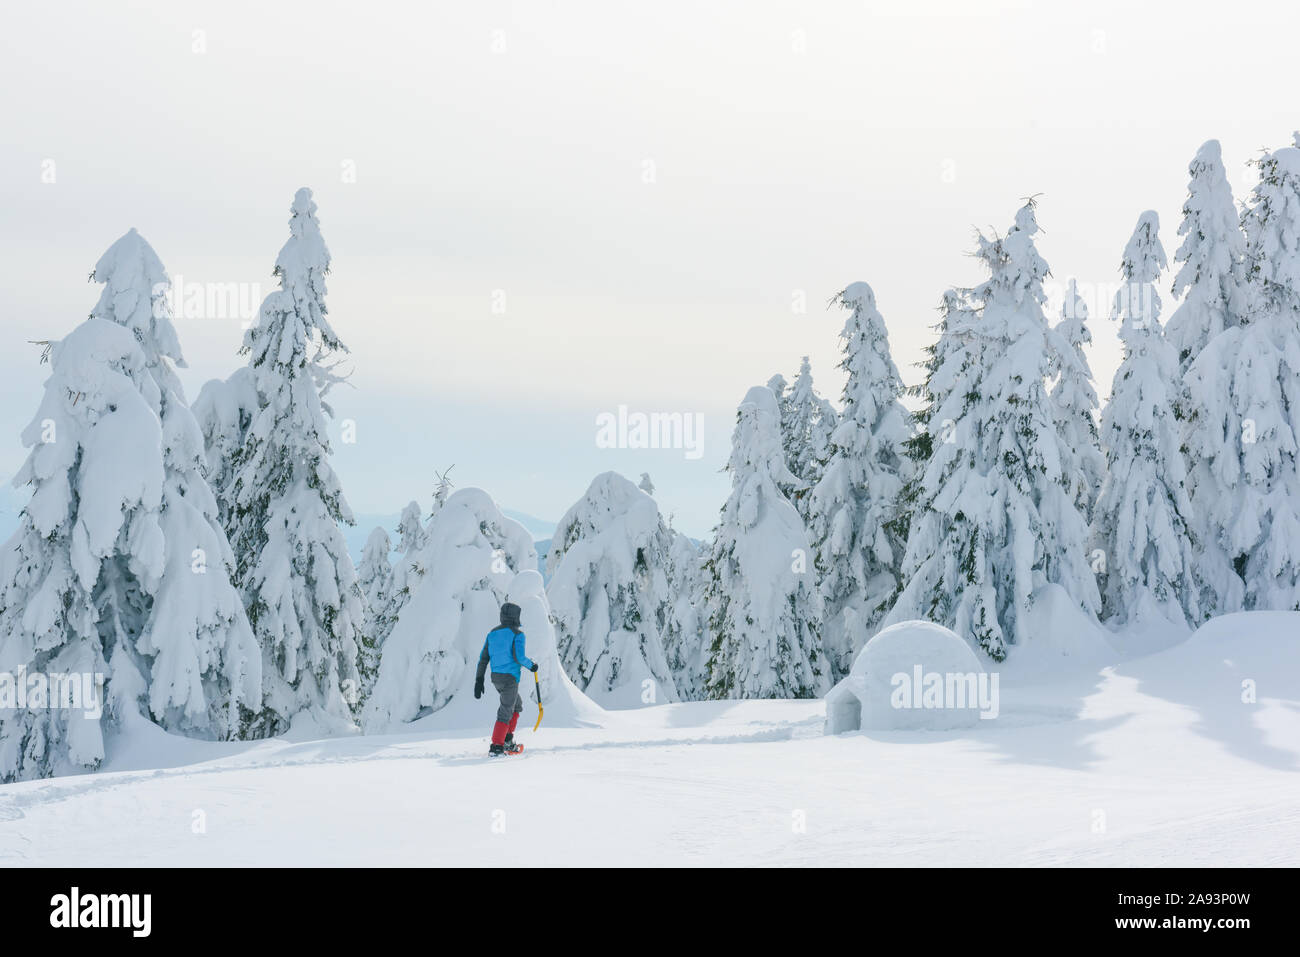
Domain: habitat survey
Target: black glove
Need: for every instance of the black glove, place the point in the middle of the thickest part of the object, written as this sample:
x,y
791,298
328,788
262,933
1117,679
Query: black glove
x,y
478,689
533,669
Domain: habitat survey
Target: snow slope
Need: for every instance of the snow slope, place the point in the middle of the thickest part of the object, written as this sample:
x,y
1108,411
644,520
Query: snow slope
x,y
1147,761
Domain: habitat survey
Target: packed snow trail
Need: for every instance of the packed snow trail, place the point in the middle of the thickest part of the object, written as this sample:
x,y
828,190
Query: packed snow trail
x,y
1153,761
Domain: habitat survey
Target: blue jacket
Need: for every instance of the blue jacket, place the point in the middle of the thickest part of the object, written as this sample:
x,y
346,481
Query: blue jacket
x,y
504,648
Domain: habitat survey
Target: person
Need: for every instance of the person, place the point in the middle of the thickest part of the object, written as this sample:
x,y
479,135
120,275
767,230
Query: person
x,y
503,649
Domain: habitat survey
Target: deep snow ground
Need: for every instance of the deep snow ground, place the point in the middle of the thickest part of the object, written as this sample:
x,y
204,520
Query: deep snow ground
x,y
1153,761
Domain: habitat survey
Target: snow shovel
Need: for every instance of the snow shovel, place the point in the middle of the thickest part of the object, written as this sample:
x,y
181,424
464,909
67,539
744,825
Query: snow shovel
x,y
538,685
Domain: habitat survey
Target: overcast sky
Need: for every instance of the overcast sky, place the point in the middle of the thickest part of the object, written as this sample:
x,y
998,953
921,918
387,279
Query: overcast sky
x,y
541,211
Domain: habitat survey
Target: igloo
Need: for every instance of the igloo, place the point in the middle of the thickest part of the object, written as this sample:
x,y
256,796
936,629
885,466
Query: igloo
x,y
912,676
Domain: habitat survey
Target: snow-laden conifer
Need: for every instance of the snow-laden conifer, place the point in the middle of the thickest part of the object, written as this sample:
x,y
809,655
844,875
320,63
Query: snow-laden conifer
x,y
205,664
297,579
1244,390
807,423
683,635
1074,403
78,576
856,544
1142,518
608,591
992,518
1212,256
467,561
375,579
762,607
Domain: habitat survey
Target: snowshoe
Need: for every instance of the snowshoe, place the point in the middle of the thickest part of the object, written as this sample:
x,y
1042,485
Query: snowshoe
x,y
513,747
496,750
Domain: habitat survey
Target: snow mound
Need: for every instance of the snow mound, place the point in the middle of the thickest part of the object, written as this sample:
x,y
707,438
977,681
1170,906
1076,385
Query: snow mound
x,y
1237,682
1060,637
912,676
1256,632
1260,645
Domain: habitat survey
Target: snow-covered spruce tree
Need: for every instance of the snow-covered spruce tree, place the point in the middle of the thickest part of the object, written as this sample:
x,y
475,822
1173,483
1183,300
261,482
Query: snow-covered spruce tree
x,y
683,636
411,531
993,519
856,545
77,578
294,571
1244,390
412,535
1142,515
807,423
608,592
679,621
918,448
1074,402
470,556
762,607
1212,255
224,410
375,571
781,389
197,634
375,579
1211,280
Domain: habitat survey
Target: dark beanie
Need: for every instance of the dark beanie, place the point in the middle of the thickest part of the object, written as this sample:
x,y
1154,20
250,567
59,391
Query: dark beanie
x,y
510,615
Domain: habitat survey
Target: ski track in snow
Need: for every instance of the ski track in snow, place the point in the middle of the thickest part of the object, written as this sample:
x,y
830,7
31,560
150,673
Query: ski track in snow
x,y
14,805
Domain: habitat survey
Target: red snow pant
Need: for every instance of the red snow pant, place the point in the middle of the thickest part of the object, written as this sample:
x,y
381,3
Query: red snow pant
x,y
508,710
